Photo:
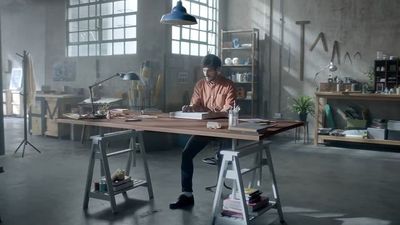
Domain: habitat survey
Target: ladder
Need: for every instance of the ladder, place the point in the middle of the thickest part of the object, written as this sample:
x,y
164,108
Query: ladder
x,y
99,151
231,170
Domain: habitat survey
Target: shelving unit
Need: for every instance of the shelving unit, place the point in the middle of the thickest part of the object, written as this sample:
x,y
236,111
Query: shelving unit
x,y
387,74
245,73
323,97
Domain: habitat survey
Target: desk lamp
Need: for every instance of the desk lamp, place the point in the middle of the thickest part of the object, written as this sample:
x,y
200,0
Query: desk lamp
x,y
123,76
331,67
178,16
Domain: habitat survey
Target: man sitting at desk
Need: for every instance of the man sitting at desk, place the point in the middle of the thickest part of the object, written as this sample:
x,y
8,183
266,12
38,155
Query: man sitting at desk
x,y
214,93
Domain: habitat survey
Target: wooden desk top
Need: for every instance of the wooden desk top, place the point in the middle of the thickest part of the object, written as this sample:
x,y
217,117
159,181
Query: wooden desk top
x,y
165,124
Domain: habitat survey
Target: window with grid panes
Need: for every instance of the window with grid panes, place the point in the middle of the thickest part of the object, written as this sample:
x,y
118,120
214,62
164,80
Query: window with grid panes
x,y
201,38
101,27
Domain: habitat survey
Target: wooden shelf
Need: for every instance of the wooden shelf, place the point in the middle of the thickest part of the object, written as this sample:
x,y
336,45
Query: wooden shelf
x,y
323,97
241,65
240,48
323,138
357,96
242,82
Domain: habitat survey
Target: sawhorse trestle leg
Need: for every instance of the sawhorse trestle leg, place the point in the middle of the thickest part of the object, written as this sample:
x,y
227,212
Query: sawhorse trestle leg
x,y
231,170
99,151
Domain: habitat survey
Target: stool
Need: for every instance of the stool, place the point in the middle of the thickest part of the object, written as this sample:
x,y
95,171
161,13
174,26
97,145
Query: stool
x,y
99,151
234,172
215,161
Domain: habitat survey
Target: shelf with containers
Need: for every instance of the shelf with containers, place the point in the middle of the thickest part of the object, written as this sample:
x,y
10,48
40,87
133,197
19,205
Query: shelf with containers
x,y
239,52
387,75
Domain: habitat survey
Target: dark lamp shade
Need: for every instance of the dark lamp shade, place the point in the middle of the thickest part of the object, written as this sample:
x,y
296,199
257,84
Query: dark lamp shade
x,y
178,16
130,76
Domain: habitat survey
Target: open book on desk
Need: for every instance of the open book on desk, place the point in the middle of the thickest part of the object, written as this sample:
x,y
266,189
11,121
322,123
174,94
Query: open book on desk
x,y
198,115
251,127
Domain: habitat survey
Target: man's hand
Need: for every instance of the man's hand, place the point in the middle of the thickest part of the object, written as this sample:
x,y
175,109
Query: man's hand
x,y
187,108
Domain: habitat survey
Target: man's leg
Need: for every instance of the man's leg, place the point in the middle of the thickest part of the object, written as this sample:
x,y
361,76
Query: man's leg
x,y
194,145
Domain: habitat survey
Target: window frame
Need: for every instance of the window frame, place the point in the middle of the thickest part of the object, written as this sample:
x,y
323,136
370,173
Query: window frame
x,y
211,6
97,17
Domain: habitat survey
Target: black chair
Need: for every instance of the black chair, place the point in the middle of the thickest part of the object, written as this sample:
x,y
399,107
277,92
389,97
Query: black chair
x,y
215,161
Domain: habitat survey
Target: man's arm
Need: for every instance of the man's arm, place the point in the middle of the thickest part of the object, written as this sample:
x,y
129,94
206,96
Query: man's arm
x,y
196,103
230,99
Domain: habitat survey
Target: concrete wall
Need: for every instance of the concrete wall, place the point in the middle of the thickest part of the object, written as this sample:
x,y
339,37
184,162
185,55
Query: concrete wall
x,y
364,26
38,26
23,28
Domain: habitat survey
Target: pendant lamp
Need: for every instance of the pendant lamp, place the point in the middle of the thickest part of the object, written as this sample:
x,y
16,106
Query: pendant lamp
x,y
178,16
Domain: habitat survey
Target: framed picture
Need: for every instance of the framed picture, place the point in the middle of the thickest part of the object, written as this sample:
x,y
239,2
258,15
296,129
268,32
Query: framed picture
x,y
380,87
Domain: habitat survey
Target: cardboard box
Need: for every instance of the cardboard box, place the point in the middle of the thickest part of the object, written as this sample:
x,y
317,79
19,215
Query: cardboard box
x,y
377,133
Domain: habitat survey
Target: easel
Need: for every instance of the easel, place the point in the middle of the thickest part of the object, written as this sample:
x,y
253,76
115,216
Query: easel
x,y
24,96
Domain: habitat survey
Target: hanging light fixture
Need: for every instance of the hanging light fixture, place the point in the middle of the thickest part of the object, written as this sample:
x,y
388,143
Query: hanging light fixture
x,y
178,16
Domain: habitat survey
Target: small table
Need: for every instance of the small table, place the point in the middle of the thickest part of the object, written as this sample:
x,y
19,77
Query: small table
x,y
305,133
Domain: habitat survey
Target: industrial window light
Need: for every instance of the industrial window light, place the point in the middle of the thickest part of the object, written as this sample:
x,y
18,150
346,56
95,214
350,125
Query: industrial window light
x,y
178,16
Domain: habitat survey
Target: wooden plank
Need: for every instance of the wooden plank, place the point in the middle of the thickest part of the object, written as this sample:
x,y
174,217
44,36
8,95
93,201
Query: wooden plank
x,y
323,138
357,96
165,124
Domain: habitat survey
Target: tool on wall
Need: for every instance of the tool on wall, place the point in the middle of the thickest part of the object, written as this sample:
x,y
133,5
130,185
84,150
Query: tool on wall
x,y
321,36
357,54
335,50
302,27
347,56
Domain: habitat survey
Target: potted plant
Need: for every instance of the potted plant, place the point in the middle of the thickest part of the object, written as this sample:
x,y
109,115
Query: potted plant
x,y
371,78
303,105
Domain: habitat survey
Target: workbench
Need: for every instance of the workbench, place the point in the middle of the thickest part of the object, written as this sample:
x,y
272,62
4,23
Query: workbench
x,y
257,145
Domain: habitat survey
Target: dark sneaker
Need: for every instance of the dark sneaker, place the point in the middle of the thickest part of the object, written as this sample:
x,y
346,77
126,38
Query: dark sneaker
x,y
183,202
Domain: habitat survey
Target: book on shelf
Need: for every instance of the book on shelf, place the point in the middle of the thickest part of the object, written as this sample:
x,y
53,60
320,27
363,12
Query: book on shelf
x,y
235,205
251,127
251,196
120,182
229,213
123,186
198,115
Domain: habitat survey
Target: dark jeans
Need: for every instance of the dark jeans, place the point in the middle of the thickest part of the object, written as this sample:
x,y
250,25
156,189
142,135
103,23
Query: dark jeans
x,y
194,145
